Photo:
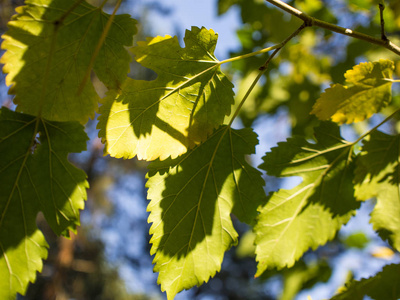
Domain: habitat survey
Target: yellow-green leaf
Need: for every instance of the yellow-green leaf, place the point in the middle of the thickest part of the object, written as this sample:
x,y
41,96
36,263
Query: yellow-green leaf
x,y
367,92
377,175
49,48
167,116
310,214
191,205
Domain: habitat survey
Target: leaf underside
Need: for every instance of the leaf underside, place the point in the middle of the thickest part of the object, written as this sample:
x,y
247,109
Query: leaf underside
x,y
191,205
180,109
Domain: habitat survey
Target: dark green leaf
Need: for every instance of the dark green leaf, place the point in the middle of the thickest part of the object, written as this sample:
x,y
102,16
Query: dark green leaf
x,y
191,206
35,175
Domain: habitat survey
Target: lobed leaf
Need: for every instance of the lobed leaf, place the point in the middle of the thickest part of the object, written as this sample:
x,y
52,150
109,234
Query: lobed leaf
x,y
167,116
377,175
49,48
368,93
191,205
35,175
383,286
310,214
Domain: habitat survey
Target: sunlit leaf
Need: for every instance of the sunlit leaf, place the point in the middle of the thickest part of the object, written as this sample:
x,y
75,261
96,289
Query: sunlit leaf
x,y
166,116
377,175
383,286
35,175
366,93
49,47
310,214
191,206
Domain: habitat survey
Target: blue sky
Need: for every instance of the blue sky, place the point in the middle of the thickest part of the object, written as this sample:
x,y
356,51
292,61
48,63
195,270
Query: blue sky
x,y
185,14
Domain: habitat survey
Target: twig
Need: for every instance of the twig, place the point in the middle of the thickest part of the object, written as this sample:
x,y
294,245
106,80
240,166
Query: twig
x,y
263,69
377,126
310,21
250,54
381,9
281,45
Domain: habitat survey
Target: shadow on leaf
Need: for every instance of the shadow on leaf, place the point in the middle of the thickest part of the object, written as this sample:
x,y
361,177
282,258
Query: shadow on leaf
x,y
191,204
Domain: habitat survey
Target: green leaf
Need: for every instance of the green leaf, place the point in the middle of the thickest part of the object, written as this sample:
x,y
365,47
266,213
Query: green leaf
x,y
50,44
377,175
310,214
383,286
225,5
191,206
357,240
367,94
167,116
35,175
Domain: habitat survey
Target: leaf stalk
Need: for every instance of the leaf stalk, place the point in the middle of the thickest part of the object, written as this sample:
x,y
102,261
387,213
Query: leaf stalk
x,y
263,69
376,127
265,50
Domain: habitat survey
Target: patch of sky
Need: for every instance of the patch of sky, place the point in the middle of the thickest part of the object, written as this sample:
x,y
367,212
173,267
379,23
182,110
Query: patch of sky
x,y
5,99
173,17
186,295
285,68
124,234
271,131
138,282
346,18
274,286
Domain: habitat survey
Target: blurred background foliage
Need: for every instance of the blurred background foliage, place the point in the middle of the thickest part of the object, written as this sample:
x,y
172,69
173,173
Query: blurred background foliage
x,y
109,258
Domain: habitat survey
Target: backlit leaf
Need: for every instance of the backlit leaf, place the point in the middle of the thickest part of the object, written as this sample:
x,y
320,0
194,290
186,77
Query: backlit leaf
x,y
191,206
377,175
49,50
310,214
366,93
167,116
35,175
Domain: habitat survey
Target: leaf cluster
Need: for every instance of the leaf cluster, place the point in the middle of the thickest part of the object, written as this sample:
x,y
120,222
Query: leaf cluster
x,y
200,179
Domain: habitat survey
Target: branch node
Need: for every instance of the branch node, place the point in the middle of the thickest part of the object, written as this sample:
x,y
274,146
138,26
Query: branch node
x,y
309,22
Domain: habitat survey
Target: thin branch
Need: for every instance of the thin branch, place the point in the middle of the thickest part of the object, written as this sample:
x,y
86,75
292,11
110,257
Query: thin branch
x,y
376,127
310,21
265,66
250,54
381,9
263,69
